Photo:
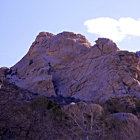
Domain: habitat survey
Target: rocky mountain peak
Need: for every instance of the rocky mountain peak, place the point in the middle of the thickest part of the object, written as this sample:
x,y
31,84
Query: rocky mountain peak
x,y
71,35
67,65
43,35
106,45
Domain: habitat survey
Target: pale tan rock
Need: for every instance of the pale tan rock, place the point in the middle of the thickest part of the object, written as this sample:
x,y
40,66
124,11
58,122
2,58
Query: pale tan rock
x,y
66,64
106,46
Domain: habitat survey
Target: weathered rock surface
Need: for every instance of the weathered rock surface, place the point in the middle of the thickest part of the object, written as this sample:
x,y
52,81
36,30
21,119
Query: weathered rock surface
x,y
66,64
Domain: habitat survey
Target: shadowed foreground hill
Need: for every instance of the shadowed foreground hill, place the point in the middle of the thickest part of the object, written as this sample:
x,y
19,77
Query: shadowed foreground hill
x,y
66,89
39,118
23,119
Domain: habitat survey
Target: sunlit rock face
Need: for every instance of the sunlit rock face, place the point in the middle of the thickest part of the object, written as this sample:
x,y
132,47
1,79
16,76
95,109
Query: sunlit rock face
x,y
67,64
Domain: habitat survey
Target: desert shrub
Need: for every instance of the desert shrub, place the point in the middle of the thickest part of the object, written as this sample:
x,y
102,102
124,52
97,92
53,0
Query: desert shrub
x,y
43,103
128,104
117,129
85,117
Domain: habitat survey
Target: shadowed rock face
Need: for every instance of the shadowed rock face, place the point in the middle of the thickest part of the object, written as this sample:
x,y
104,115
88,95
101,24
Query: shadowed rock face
x,y
138,53
66,64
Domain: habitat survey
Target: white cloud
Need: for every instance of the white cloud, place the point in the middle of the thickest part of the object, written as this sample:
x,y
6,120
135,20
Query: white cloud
x,y
114,29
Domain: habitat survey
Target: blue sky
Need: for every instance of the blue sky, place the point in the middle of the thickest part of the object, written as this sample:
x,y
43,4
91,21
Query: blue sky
x,y
22,20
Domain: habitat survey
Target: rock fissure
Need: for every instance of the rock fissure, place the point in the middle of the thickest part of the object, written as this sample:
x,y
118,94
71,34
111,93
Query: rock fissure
x,y
100,50
50,70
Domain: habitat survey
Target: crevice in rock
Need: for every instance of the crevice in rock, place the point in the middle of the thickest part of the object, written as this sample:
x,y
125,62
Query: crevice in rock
x,y
31,62
120,57
100,50
123,85
55,87
50,70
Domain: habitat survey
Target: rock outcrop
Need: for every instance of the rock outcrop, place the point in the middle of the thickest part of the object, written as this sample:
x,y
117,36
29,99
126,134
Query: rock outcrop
x,y
66,64
65,88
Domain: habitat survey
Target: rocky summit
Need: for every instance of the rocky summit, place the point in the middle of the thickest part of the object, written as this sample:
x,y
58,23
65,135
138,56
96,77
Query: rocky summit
x,y
66,89
66,64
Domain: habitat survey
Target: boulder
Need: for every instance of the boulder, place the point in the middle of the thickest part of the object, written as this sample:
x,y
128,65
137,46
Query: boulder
x,y
123,126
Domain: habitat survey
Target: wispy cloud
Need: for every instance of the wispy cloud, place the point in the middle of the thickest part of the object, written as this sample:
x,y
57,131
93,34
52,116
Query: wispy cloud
x,y
114,29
